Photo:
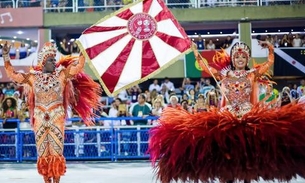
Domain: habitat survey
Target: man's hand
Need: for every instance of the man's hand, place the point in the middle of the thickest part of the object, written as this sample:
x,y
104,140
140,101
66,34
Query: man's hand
x,y
6,49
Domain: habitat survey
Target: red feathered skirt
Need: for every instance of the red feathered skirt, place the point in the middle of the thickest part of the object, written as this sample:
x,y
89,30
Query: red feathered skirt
x,y
267,144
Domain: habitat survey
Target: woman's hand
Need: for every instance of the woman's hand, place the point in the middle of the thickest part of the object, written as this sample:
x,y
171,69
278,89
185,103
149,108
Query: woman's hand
x,y
264,44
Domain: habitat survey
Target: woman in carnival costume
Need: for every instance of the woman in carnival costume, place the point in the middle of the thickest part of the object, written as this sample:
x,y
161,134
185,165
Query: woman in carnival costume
x,y
51,88
243,140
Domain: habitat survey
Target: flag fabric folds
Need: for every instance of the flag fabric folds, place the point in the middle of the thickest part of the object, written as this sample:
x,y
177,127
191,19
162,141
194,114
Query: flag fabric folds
x,y
132,44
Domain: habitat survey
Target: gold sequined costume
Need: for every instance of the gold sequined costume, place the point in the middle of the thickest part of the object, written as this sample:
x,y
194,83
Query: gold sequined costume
x,y
48,109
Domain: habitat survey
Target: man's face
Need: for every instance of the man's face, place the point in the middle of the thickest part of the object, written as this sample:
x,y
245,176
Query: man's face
x,y
140,99
50,64
303,82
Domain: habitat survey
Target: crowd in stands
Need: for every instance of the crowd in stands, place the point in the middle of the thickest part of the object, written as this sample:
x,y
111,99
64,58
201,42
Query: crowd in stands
x,y
20,50
279,41
193,96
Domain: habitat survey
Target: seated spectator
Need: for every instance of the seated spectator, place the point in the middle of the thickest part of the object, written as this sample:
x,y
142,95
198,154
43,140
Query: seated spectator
x,y
23,51
227,43
118,109
297,42
192,97
185,105
156,110
174,102
13,52
200,104
211,45
74,48
206,87
141,110
9,92
301,88
200,43
134,93
187,85
285,96
212,99
9,111
285,42
154,86
169,85
294,92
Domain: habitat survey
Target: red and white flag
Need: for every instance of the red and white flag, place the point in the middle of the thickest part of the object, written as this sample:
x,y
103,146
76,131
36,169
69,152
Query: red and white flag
x,y
132,44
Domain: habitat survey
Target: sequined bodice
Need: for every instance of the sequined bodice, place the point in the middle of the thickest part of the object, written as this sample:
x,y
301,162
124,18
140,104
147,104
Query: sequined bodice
x,y
48,90
238,92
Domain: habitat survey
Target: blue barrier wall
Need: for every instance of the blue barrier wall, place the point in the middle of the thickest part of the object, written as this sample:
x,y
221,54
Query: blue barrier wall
x,y
81,143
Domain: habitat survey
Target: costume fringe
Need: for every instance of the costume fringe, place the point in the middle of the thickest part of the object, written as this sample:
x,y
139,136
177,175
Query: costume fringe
x,y
51,166
265,143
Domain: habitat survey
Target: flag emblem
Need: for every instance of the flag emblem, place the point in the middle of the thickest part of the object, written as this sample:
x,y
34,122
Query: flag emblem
x,y
133,44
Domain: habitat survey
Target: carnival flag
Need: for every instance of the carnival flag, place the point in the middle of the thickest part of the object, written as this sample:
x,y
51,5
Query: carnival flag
x,y
132,44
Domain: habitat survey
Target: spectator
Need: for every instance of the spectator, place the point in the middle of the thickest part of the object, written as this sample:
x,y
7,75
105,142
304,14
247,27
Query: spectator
x,y
206,88
210,45
9,111
293,92
301,88
200,105
23,51
174,102
74,48
285,96
157,110
118,109
187,85
227,43
155,86
186,106
285,42
134,93
200,43
140,110
169,85
297,42
212,99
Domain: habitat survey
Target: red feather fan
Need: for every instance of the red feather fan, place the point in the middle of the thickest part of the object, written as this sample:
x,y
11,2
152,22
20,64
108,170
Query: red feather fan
x,y
265,143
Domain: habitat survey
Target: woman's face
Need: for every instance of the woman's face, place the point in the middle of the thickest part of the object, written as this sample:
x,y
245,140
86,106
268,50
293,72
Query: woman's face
x,y
240,61
192,92
9,102
157,104
117,102
200,99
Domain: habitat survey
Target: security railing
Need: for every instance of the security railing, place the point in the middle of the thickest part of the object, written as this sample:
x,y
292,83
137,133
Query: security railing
x,y
105,5
81,143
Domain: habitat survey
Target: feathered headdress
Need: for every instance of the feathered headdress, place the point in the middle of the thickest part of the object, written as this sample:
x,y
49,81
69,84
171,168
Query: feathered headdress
x,y
48,50
240,48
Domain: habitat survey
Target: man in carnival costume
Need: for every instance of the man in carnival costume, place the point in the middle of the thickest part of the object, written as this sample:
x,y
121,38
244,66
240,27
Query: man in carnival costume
x,y
243,140
51,87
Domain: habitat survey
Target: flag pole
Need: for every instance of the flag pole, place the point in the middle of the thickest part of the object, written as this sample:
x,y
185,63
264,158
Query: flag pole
x,y
194,47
